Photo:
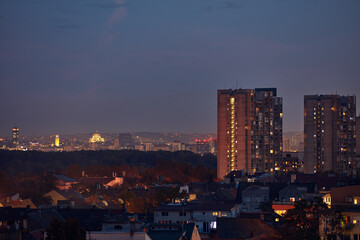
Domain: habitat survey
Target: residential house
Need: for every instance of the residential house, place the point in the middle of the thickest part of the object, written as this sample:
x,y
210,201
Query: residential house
x,y
345,196
66,198
252,198
204,215
64,182
117,235
101,182
292,193
174,232
19,203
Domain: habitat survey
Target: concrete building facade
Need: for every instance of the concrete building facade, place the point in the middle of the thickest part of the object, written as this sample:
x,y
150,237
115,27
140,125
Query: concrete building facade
x,y
329,134
358,135
249,131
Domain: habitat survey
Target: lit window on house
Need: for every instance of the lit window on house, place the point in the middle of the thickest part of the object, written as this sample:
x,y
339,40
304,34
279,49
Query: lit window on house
x,y
292,199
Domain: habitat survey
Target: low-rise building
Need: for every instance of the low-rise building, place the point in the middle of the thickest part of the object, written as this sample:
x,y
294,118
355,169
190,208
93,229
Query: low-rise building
x,y
345,196
252,197
64,182
202,214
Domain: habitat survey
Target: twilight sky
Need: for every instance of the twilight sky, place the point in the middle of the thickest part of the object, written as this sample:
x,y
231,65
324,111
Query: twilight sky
x,y
76,66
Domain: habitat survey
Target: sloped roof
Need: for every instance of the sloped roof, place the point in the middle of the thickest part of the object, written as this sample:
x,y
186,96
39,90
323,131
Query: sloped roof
x,y
96,180
65,178
21,203
210,206
256,189
187,230
69,194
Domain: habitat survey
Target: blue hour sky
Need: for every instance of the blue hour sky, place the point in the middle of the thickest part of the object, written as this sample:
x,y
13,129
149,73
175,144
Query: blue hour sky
x,y
75,66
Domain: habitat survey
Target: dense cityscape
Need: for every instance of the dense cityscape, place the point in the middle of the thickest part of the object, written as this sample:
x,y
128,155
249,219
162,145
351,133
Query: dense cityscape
x,y
128,186
179,120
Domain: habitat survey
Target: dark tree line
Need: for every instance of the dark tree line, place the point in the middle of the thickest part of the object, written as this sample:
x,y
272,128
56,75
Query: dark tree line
x,y
30,173
15,162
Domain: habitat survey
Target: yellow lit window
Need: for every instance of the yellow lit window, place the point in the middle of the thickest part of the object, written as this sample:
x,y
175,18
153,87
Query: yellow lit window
x,y
271,151
215,214
292,199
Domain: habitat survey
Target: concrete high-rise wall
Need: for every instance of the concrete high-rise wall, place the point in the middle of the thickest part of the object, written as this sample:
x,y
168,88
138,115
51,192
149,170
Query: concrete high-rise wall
x,y
329,134
358,135
249,133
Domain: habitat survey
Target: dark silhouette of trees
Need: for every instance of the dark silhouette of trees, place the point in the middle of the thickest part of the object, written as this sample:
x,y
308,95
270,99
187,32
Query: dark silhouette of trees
x,y
311,220
15,162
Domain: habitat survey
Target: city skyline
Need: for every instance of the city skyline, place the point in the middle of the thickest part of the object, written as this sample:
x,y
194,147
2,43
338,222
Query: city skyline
x,y
113,65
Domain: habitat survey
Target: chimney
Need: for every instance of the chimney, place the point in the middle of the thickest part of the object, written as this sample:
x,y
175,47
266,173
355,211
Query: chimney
x,y
132,227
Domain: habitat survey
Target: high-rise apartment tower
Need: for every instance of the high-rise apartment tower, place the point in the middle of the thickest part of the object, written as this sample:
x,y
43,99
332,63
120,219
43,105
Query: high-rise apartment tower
x,y
15,136
358,135
126,141
249,131
329,134
57,140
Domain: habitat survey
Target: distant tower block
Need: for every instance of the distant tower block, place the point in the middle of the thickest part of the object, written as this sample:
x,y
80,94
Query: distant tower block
x,y
57,141
15,136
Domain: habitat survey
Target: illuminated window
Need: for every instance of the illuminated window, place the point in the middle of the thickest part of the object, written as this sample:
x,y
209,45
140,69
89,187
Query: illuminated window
x,y
292,199
356,201
276,219
215,213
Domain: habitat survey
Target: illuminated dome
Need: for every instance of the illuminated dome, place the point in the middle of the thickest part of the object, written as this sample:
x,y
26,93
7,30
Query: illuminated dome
x,y
96,138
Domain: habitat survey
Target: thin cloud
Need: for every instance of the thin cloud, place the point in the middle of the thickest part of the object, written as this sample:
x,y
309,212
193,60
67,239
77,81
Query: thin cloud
x,y
120,13
106,39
